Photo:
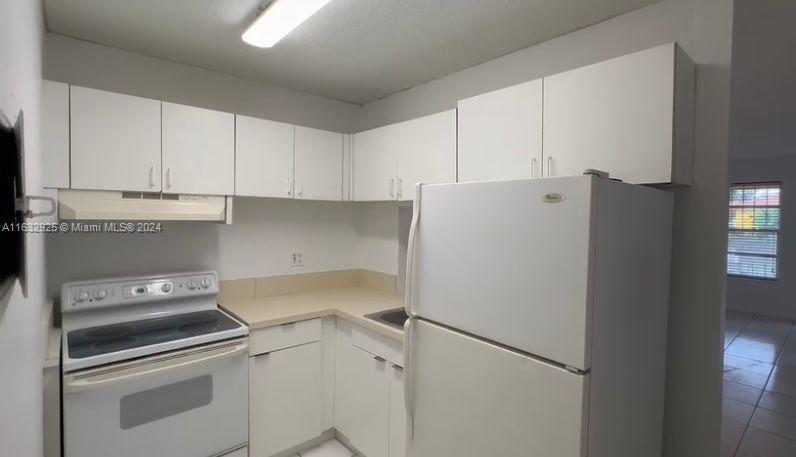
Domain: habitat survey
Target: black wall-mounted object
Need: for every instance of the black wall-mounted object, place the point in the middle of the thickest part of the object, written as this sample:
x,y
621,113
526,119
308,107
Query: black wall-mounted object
x,y
12,238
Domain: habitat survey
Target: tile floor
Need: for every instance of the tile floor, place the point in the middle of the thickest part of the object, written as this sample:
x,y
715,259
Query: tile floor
x,y
331,448
759,413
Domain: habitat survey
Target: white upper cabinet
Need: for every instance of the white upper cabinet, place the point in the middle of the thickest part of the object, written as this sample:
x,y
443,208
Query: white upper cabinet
x,y
631,116
55,133
115,141
263,158
319,164
390,160
198,151
375,165
500,134
426,152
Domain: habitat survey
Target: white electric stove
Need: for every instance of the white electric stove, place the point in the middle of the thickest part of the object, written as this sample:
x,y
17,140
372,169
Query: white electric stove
x,y
152,366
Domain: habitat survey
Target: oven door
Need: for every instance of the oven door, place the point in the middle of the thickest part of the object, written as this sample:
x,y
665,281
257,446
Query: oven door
x,y
190,403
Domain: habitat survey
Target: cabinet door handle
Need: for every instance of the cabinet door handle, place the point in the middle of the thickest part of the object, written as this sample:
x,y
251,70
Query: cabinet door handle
x,y
151,176
549,166
533,168
289,187
400,188
392,187
300,187
168,178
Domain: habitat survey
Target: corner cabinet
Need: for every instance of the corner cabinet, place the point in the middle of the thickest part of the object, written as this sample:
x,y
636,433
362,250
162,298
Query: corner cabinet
x,y
389,161
319,164
369,406
198,150
500,134
114,141
426,150
631,116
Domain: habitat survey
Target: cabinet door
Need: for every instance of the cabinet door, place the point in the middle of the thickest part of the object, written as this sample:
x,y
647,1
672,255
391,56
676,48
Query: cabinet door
x,y
319,164
115,141
55,133
375,164
286,398
361,408
426,151
397,413
500,134
198,151
615,116
263,158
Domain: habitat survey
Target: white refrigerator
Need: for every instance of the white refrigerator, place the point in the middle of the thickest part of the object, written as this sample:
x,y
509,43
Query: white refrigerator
x,y
538,313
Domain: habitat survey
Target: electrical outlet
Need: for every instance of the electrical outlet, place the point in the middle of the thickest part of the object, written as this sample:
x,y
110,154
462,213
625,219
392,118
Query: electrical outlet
x,y
296,260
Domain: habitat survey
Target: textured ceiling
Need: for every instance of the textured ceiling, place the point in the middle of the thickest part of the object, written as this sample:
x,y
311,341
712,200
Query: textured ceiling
x,y
351,50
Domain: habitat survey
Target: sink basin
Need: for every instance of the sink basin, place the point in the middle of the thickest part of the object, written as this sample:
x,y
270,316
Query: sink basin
x,y
394,317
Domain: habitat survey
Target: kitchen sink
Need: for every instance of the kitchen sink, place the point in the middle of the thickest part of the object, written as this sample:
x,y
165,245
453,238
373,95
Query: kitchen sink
x,y
394,317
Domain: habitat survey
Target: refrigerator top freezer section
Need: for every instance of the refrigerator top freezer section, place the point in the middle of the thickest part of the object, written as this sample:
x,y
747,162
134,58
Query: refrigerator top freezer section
x,y
520,262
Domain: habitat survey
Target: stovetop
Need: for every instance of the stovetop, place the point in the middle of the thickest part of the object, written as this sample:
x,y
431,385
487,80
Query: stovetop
x,y
94,341
114,320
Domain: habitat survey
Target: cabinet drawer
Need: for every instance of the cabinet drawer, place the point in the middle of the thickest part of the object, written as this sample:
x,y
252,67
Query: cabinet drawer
x,y
284,336
378,345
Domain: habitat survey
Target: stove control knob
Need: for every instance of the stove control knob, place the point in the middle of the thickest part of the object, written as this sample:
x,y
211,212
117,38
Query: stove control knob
x,y
205,283
100,294
166,287
192,284
81,296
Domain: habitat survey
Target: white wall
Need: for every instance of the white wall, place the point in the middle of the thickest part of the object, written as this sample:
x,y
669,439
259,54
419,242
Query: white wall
x,y
763,137
377,228
704,29
775,298
264,234
21,349
103,67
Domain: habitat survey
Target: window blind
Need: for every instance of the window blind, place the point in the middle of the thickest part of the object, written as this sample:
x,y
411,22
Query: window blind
x,y
754,222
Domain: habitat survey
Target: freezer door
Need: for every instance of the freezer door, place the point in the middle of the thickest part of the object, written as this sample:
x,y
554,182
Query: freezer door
x,y
466,397
507,261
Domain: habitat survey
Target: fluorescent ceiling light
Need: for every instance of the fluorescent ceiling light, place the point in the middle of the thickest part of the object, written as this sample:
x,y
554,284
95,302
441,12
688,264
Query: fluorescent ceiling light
x,y
279,19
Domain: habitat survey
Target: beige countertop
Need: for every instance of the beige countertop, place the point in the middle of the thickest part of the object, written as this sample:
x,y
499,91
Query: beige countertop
x,y
350,303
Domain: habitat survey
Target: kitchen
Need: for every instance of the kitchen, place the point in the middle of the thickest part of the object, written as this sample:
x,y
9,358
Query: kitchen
x,y
313,231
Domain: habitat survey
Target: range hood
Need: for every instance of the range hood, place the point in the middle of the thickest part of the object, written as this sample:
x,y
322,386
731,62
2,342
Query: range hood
x,y
141,206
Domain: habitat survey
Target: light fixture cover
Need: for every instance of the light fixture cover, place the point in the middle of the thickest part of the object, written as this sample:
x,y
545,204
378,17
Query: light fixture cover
x,y
279,19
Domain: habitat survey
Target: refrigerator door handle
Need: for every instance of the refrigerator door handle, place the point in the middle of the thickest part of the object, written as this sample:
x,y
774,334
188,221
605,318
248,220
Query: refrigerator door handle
x,y
410,250
409,400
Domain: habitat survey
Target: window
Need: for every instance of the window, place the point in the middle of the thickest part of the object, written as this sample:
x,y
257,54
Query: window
x,y
754,230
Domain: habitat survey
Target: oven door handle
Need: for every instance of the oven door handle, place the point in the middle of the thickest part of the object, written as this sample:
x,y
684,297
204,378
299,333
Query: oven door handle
x,y
106,377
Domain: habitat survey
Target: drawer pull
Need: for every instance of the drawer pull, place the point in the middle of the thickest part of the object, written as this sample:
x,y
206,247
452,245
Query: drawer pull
x,y
379,359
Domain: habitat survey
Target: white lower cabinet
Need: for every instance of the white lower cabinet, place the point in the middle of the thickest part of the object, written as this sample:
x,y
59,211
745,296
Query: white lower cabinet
x,y
242,452
369,399
286,398
361,409
297,377
397,438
